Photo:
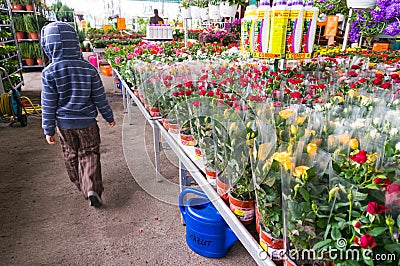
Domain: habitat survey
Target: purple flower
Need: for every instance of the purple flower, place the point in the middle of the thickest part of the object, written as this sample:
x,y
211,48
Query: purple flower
x,y
393,28
330,6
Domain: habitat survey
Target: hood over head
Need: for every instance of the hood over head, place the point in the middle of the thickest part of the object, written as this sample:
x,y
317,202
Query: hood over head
x,y
60,41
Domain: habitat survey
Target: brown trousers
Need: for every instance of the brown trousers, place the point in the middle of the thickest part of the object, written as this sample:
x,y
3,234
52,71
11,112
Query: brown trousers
x,y
81,149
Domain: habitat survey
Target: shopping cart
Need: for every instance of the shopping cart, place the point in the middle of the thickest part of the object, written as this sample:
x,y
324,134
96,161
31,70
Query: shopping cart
x,y
11,108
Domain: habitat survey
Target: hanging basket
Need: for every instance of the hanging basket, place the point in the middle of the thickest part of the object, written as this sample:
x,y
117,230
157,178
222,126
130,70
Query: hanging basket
x,y
226,10
186,13
204,13
213,12
361,3
195,12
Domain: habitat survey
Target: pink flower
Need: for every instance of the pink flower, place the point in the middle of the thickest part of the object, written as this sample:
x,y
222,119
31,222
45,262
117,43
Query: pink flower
x,y
393,188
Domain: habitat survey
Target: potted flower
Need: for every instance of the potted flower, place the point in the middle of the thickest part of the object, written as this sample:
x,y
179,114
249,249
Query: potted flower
x,y
27,51
16,5
185,9
229,8
38,53
19,25
195,9
31,26
28,4
332,7
203,4
213,9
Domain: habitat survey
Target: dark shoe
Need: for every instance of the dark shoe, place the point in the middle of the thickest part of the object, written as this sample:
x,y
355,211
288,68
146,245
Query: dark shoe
x,y
94,199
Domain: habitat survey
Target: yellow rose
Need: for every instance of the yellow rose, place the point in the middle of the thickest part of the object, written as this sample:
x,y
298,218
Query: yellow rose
x,y
312,148
371,157
353,143
331,140
338,98
299,171
344,138
284,159
300,119
352,93
286,113
293,129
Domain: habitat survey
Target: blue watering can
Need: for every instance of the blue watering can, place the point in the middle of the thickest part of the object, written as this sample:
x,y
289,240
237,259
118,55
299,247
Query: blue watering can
x,y
207,233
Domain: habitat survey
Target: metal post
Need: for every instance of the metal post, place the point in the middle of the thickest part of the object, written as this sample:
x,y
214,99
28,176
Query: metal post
x,y
156,139
346,33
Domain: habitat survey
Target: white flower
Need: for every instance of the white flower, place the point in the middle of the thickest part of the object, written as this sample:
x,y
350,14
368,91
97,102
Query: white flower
x,y
376,121
374,133
394,131
397,147
359,123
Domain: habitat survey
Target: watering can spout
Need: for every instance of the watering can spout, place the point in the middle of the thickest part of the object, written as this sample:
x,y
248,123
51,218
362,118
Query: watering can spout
x,y
230,238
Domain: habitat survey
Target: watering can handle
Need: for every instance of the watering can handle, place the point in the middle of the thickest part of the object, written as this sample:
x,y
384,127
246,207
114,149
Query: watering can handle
x,y
183,194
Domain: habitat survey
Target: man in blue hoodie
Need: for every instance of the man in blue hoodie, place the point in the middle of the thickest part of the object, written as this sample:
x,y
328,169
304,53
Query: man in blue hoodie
x,y
72,95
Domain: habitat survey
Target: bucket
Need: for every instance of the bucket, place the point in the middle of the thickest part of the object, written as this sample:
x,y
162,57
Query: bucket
x,y
106,70
207,233
93,60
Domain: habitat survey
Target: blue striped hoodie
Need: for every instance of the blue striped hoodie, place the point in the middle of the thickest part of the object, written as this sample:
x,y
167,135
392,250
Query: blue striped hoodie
x,y
72,90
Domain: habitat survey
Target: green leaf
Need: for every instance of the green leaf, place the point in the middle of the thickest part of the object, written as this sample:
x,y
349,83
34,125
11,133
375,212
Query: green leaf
x,y
295,209
339,219
376,231
327,231
322,243
393,248
304,193
335,234
351,263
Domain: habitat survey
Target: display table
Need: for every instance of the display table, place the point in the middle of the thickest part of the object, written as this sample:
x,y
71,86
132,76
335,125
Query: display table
x,y
189,163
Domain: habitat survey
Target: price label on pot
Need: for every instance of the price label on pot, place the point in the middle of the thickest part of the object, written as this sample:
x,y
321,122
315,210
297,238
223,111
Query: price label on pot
x,y
244,214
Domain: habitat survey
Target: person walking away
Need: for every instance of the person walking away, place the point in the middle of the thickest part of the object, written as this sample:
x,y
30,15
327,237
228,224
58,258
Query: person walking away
x,y
72,95
156,19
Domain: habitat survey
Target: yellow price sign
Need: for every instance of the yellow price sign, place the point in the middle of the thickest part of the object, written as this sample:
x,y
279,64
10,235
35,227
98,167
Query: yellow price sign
x,y
266,55
121,25
298,56
106,27
83,24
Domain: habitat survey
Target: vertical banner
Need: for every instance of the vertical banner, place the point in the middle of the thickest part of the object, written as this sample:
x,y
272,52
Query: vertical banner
x,y
121,25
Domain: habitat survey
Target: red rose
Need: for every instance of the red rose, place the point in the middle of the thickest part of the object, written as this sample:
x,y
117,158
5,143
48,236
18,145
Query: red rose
x,y
393,188
365,241
179,86
295,94
357,224
377,81
375,208
379,76
322,86
394,76
175,94
196,103
360,157
210,93
362,80
352,86
381,181
202,92
181,92
387,85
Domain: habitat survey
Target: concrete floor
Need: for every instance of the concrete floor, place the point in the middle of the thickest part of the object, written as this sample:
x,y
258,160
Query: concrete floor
x,y
44,220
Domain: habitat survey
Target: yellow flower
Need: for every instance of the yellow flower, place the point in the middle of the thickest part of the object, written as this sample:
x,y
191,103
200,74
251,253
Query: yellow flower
x,y
299,171
312,148
353,143
338,98
300,119
309,132
286,113
371,157
293,129
284,159
344,138
352,93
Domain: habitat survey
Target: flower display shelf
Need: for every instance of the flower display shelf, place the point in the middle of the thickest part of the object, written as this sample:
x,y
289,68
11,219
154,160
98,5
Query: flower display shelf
x,y
189,161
